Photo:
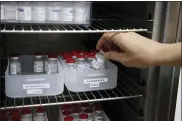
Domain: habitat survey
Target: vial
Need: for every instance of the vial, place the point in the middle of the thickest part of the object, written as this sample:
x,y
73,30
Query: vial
x,y
53,10
98,114
3,115
66,12
89,112
52,66
15,116
83,117
26,115
10,12
74,55
99,61
70,63
75,113
24,12
81,13
69,118
15,65
39,64
38,12
81,63
40,114
66,113
2,11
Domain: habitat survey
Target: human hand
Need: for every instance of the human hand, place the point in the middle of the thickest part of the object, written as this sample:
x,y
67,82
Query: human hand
x,y
130,49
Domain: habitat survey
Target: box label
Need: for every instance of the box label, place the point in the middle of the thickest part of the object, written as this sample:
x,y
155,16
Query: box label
x,y
97,80
35,86
34,91
94,84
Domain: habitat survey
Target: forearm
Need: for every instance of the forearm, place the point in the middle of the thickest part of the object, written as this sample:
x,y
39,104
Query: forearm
x,y
169,55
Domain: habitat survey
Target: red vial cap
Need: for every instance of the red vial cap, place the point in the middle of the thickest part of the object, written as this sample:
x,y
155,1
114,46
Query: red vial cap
x,y
91,55
52,56
68,118
98,108
70,60
65,107
83,116
3,116
67,56
16,116
74,54
80,56
66,113
26,111
40,110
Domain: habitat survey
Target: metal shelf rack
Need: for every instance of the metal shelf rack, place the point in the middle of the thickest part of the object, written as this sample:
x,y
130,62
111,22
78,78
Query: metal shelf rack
x,y
122,91
97,26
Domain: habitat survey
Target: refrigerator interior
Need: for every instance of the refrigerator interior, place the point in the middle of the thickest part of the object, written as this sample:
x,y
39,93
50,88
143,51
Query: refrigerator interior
x,y
124,103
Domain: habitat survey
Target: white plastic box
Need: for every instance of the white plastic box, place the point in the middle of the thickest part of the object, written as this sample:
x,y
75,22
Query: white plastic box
x,y
89,80
68,13
29,84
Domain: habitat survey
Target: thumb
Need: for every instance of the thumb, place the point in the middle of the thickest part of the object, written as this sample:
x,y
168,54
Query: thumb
x,y
113,55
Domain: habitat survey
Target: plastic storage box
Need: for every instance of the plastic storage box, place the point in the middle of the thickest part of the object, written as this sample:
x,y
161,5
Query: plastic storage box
x,y
69,13
29,84
77,81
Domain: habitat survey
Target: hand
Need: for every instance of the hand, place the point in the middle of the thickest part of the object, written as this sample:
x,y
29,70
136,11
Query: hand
x,y
130,49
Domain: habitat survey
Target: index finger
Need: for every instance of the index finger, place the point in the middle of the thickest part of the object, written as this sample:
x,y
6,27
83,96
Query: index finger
x,y
105,39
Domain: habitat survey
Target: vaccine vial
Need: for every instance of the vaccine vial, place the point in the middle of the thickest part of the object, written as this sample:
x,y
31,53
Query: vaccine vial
x,y
89,112
81,13
83,117
38,12
40,114
2,11
52,66
69,118
24,12
75,113
74,55
66,113
66,12
10,12
26,115
81,63
99,61
14,65
98,114
39,64
53,10
70,63
15,116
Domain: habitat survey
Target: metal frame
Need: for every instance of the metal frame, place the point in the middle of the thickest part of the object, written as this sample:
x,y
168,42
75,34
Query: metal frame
x,y
97,26
163,81
67,97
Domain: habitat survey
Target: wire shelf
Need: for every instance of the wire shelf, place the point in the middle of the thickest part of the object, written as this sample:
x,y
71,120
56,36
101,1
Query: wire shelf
x,y
97,26
120,92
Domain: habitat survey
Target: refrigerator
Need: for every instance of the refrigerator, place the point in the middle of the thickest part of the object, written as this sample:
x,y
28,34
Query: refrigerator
x,y
147,94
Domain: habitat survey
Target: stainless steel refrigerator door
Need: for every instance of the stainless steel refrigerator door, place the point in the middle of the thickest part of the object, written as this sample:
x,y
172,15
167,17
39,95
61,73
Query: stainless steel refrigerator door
x,y
163,81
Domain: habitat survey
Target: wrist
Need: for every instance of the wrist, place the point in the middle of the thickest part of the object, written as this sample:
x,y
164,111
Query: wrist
x,y
165,54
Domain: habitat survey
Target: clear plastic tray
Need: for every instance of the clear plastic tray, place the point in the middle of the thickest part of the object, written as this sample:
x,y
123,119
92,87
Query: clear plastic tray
x,y
82,81
31,85
60,116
